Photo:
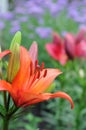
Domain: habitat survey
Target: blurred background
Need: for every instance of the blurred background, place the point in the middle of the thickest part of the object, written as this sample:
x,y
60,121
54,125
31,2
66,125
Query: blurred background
x,y
37,19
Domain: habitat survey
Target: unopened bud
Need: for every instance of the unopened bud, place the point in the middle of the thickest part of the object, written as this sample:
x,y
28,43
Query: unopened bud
x,y
14,61
16,39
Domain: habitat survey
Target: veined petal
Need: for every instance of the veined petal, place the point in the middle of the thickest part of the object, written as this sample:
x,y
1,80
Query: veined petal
x,y
57,52
33,52
54,50
43,83
81,35
5,86
47,96
4,53
70,44
56,38
23,74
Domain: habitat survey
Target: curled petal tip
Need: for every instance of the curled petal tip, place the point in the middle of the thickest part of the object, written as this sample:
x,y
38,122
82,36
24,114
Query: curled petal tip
x,y
72,105
65,96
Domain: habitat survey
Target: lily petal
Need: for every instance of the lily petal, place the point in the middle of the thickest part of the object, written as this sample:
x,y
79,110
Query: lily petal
x,y
43,83
5,86
81,49
24,71
69,41
4,53
47,96
33,52
57,52
56,38
81,35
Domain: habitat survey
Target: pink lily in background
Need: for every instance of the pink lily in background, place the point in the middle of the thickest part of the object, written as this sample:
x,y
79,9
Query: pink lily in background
x,y
76,45
56,49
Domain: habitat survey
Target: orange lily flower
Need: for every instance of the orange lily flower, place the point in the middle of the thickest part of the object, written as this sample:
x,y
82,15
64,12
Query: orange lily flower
x,y
30,83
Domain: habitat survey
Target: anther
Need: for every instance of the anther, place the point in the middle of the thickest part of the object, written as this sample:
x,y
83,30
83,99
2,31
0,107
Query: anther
x,y
45,73
31,68
36,63
38,74
42,66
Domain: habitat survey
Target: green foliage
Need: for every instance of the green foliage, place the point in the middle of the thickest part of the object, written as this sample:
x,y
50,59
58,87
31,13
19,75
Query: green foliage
x,y
72,82
27,122
56,112
2,110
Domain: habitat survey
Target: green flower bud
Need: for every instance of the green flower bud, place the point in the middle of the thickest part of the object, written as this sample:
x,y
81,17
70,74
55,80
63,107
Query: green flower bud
x,y
16,39
14,61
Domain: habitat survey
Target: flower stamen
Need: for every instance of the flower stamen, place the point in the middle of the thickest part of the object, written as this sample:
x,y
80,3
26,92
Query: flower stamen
x,y
31,68
45,73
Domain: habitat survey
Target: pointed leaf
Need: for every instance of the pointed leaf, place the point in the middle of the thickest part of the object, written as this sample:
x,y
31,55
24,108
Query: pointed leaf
x,y
2,110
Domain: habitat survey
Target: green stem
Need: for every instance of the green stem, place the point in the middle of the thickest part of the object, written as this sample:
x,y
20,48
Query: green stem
x,y
5,100
13,111
8,102
5,123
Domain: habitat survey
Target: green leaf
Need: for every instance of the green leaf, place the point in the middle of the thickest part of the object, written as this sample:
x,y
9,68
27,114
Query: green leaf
x,y
2,111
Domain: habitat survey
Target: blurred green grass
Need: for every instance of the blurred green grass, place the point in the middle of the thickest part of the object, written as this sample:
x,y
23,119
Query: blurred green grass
x,y
57,112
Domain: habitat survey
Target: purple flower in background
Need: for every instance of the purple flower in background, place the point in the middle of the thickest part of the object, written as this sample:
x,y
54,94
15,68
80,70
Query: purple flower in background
x,y
14,29
8,16
19,2
41,21
40,10
14,23
35,10
2,25
62,2
43,32
20,10
77,10
54,8
23,19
